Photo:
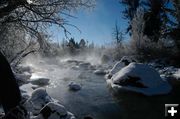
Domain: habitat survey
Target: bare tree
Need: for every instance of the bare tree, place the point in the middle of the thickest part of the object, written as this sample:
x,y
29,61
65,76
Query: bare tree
x,y
33,16
117,35
36,15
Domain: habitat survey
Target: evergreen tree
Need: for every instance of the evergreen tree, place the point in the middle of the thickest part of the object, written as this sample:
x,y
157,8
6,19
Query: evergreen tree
x,y
130,11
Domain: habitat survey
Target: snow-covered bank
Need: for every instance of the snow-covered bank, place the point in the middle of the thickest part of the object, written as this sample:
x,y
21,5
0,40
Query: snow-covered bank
x,y
41,106
38,102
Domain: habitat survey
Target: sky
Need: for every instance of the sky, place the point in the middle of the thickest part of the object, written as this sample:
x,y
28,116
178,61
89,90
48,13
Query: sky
x,y
96,25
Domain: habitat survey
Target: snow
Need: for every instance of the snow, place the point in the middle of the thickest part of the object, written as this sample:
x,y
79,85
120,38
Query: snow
x,y
27,89
74,86
177,74
23,76
100,72
42,106
54,110
40,81
148,80
38,99
55,107
120,64
24,68
84,64
45,107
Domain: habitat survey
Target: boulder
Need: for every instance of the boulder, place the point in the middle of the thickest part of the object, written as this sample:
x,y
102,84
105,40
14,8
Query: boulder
x,y
84,64
120,64
39,98
27,89
100,72
74,86
53,111
40,81
24,68
139,78
23,77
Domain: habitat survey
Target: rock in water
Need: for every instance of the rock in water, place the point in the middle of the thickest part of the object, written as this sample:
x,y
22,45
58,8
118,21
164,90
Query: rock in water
x,y
38,99
139,78
74,86
53,111
100,72
40,81
24,68
23,77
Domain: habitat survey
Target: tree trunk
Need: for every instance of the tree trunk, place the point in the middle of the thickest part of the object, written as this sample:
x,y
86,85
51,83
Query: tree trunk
x,y
10,95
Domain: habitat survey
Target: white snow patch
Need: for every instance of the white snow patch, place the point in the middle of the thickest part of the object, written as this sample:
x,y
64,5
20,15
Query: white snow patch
x,y
177,74
100,72
45,107
27,88
120,64
24,77
55,110
38,99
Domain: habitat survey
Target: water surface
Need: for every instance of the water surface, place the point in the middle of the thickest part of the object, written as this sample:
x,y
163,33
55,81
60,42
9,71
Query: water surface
x,y
96,98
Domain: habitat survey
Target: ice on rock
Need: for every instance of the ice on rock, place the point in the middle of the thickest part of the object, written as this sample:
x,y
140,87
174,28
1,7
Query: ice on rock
x,y
139,78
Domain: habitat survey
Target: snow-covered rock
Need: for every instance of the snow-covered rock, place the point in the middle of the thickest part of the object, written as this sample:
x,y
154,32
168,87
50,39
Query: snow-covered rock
x,y
55,111
84,64
139,78
120,64
40,81
42,106
168,70
23,77
100,72
27,89
75,67
23,68
177,74
38,99
91,67
74,86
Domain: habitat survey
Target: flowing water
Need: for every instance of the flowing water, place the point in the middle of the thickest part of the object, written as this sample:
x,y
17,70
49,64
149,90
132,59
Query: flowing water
x,y
95,98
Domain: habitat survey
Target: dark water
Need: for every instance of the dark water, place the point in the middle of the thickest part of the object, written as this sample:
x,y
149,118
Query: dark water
x,y
98,100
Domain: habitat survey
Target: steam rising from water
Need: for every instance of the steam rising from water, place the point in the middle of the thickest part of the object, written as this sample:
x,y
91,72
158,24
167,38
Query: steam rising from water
x,y
60,68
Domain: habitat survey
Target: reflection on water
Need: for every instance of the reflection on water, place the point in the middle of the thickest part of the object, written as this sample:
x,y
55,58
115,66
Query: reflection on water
x,y
93,99
136,106
97,100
